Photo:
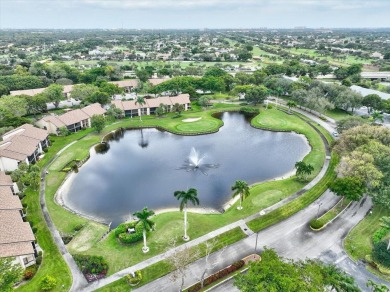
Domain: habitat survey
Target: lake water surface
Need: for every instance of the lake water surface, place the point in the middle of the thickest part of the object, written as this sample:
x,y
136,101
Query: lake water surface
x,y
143,168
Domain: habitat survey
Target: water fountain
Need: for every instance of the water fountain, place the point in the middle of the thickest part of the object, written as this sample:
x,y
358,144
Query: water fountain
x,y
194,158
194,162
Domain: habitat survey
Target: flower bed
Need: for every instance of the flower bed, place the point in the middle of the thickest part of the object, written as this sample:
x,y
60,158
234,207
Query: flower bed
x,y
217,276
93,267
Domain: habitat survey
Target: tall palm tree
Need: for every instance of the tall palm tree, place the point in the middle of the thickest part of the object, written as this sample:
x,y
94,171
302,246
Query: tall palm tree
x,y
140,101
186,196
290,105
240,188
147,224
385,222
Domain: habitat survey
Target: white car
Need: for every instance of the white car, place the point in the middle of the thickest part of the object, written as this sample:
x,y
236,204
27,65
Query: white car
x,y
335,134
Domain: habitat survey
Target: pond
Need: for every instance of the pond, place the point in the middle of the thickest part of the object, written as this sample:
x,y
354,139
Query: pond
x,y
143,168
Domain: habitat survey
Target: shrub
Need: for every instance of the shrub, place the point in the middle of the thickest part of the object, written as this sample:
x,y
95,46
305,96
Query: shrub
x,y
249,111
316,224
380,254
124,237
47,283
134,280
91,264
66,169
34,230
38,260
66,238
78,227
379,234
30,272
218,275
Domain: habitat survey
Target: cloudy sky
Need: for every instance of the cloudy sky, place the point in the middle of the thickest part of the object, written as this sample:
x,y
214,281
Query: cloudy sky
x,y
193,13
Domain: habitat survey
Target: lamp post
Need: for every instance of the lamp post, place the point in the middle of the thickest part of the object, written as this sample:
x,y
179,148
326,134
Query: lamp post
x,y
318,211
257,236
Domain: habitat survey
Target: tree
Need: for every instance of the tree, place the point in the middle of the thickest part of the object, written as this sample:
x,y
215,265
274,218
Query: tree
x,y
290,105
140,101
385,222
372,101
98,122
215,72
54,93
179,259
17,105
186,196
350,122
350,187
303,170
83,91
47,283
147,224
204,101
178,108
210,263
381,254
143,75
377,116
361,165
240,188
256,94
274,273
36,104
114,113
99,97
9,274
375,287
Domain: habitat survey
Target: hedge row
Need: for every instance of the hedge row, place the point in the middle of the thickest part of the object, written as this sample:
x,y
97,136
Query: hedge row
x,y
217,276
299,203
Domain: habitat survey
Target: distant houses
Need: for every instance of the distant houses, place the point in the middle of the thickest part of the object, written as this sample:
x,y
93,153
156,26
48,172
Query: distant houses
x,y
74,120
16,237
131,109
128,86
23,144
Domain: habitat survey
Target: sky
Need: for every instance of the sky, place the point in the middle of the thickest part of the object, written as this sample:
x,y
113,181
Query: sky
x,y
182,14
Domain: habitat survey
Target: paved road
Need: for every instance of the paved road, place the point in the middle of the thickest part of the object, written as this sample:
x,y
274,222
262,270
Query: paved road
x,y
291,238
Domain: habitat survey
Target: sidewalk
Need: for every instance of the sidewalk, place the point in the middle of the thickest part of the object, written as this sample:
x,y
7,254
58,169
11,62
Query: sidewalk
x,y
240,223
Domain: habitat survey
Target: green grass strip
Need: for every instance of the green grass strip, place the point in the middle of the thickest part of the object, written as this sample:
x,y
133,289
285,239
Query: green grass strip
x,y
299,203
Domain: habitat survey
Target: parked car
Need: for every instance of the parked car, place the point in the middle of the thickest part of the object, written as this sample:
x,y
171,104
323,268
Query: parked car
x,y
335,134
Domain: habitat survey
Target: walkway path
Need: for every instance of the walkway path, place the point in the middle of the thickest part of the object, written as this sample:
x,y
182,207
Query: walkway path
x,y
240,223
78,278
79,282
291,238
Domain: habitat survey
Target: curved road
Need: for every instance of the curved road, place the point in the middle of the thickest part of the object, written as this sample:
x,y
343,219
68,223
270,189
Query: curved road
x,y
291,238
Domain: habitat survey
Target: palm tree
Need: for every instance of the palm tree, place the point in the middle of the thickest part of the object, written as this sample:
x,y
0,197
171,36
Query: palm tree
x,y
290,105
385,222
376,116
186,196
140,101
147,224
240,188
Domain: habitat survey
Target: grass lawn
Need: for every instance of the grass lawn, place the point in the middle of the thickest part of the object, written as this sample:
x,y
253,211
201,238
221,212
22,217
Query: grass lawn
x,y
262,196
162,268
337,114
119,257
358,242
274,119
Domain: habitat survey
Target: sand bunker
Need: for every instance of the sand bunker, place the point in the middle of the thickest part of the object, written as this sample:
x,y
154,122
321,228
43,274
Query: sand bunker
x,y
190,120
